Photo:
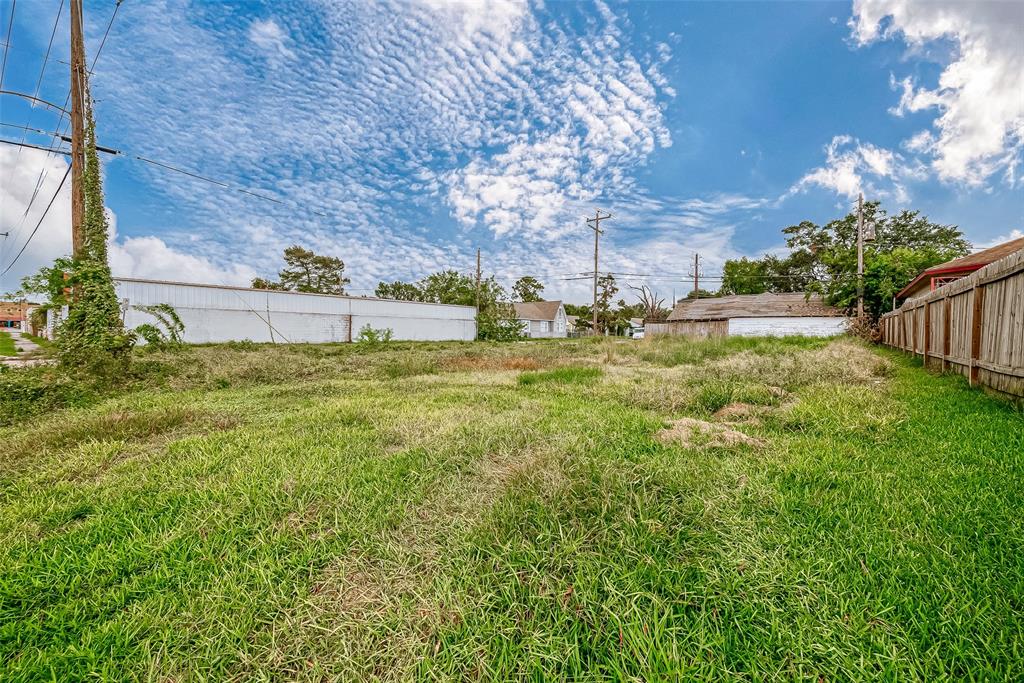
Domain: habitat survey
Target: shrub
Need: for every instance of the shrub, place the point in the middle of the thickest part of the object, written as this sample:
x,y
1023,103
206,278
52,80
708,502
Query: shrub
x,y
372,338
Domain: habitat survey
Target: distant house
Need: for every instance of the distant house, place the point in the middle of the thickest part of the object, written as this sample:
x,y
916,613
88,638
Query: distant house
x,y
752,315
542,318
15,314
944,273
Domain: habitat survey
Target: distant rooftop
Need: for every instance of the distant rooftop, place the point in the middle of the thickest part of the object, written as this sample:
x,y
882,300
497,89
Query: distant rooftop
x,y
754,306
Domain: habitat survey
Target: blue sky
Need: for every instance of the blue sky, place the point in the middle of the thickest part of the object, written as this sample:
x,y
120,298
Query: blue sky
x,y
402,136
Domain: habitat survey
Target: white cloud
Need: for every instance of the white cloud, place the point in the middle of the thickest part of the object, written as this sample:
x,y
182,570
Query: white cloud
x,y
979,97
1012,235
852,166
148,257
268,35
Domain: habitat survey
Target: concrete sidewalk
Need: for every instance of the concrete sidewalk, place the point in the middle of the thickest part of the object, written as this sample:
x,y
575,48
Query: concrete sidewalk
x,y
27,353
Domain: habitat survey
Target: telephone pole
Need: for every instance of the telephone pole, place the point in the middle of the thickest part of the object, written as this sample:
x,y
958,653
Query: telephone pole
x,y
696,276
78,104
595,225
860,255
478,281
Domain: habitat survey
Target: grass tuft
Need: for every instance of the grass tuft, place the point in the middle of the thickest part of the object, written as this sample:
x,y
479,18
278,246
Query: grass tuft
x,y
565,375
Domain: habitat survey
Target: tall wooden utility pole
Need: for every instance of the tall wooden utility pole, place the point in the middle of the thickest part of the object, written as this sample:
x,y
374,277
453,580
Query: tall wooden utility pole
x,y
78,104
696,276
860,255
478,281
595,225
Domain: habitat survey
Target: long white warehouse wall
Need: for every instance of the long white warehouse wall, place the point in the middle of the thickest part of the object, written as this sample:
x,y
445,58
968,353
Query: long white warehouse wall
x,y
782,326
213,313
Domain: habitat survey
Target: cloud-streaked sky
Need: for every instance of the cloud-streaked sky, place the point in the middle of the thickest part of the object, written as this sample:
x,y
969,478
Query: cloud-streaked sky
x,y
402,136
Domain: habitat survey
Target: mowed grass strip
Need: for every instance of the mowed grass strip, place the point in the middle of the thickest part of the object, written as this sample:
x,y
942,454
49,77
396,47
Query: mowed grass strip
x,y
7,347
422,511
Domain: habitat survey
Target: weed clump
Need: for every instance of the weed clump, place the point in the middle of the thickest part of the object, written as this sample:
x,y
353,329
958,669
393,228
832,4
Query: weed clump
x,y
566,375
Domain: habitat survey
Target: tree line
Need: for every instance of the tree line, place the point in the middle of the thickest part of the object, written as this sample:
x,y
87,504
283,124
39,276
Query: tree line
x,y
821,259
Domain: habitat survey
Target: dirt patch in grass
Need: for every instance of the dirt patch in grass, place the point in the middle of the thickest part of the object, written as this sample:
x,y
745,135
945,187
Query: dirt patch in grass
x,y
484,363
738,412
692,433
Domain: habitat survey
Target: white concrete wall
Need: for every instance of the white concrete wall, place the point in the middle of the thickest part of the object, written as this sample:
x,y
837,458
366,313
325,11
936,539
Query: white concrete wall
x,y
219,314
782,326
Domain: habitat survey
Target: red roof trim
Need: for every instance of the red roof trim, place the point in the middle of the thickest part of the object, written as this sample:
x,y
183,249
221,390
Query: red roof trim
x,y
931,272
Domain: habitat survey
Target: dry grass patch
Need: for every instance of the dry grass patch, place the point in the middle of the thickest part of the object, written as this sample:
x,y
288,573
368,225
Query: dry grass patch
x,y
692,433
484,363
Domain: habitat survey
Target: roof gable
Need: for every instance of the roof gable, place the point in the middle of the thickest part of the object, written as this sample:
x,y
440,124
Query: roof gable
x,y
964,264
537,310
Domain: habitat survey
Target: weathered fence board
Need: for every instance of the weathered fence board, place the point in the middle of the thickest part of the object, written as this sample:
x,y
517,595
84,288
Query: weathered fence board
x,y
701,329
974,326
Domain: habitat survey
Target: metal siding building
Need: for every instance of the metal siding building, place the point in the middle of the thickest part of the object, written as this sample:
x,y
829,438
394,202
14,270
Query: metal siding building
x,y
753,315
215,313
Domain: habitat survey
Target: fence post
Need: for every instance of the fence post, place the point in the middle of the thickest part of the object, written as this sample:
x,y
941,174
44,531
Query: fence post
x,y
979,300
913,331
945,331
927,332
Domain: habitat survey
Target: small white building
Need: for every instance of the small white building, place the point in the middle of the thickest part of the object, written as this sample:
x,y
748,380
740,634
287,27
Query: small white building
x,y
542,318
219,313
753,315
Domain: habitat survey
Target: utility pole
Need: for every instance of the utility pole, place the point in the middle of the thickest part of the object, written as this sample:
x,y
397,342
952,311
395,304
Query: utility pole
x,y
78,105
696,276
595,225
478,281
860,255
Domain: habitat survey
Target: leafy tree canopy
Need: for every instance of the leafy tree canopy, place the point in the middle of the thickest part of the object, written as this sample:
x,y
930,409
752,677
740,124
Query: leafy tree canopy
x,y
495,319
306,271
823,259
527,288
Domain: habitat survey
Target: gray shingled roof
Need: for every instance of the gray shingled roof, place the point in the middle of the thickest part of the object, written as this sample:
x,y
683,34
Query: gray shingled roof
x,y
537,310
753,306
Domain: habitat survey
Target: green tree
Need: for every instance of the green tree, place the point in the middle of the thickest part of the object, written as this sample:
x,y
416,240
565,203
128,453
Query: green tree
x,y
700,294
823,259
527,288
403,291
496,319
606,291
306,271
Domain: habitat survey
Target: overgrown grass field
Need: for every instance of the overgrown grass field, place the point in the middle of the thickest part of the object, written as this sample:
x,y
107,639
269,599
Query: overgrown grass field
x,y
595,510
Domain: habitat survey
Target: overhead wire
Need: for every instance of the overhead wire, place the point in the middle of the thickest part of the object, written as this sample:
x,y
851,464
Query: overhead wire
x,y
7,43
56,137
38,223
24,135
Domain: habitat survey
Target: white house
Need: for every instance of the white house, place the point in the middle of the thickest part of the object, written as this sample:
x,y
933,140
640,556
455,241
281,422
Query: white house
x,y
753,315
542,318
218,313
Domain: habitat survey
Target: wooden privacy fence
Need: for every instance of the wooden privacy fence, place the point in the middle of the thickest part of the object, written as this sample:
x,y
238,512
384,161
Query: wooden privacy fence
x,y
974,326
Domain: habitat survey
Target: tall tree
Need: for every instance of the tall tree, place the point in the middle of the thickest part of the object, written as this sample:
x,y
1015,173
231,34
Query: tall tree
x,y
306,271
651,305
527,288
823,259
403,291
606,290
496,319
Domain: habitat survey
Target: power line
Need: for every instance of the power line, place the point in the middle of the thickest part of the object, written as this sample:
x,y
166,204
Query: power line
x,y
38,223
24,135
7,43
57,135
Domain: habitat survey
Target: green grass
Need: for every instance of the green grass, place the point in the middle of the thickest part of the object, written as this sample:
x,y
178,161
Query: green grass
x,y
7,347
425,511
